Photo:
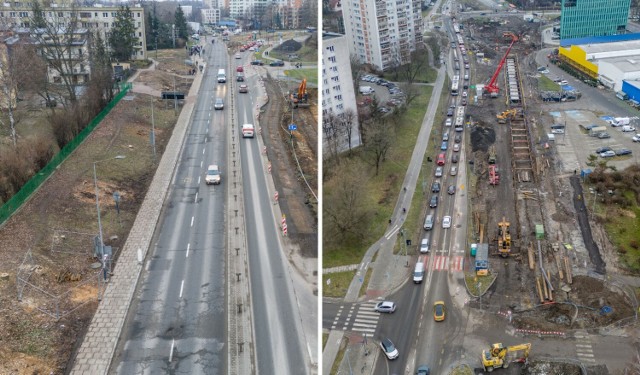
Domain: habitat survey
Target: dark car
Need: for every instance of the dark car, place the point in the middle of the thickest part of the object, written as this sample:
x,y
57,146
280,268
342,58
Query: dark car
x,y
458,138
257,62
240,78
277,63
600,150
450,111
435,187
451,189
434,201
454,158
623,151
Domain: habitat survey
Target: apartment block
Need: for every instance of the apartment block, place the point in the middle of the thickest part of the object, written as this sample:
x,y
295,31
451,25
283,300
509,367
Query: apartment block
x,y
338,93
96,18
210,16
382,33
588,18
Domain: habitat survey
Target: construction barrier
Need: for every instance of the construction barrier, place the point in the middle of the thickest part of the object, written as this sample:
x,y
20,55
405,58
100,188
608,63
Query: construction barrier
x,y
269,168
275,197
539,332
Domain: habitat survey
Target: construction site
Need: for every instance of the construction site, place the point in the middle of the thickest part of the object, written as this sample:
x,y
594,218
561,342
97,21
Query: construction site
x,y
544,249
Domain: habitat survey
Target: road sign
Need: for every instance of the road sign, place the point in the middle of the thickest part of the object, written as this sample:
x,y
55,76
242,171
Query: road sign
x,y
293,127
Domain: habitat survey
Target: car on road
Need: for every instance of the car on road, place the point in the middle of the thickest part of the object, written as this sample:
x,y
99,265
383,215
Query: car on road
x,y
277,63
623,151
219,104
435,187
456,147
454,170
440,160
600,150
243,89
439,172
451,189
213,175
448,122
239,69
446,222
433,203
389,349
424,246
238,57
454,158
444,146
464,94
438,311
457,138
603,135
607,154
422,370
385,307
257,62
445,137
450,111
240,77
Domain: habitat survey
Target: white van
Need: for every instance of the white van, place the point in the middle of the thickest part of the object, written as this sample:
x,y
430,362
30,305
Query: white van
x,y
418,272
366,90
222,76
247,131
628,128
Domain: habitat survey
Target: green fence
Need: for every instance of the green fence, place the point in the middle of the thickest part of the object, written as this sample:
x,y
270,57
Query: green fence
x,y
13,204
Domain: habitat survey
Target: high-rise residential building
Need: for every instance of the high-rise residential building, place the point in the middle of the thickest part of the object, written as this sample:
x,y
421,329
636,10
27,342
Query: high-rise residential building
x,y
383,33
339,108
585,18
210,16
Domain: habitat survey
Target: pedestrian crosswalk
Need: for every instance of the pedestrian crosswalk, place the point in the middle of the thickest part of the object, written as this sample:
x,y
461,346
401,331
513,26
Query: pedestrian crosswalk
x,y
445,263
584,349
357,317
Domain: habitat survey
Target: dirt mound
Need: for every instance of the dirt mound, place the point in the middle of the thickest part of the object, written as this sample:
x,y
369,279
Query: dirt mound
x,y
546,368
482,137
288,46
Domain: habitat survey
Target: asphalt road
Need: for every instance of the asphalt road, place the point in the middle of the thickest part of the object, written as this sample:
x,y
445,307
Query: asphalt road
x,y
179,312
279,338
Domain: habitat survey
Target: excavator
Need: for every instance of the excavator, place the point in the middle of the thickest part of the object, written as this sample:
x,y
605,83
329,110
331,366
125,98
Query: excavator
x,y
301,97
501,357
502,117
492,88
504,238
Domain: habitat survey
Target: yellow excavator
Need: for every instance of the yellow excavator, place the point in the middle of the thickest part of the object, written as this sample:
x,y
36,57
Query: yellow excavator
x,y
504,238
300,98
502,117
501,357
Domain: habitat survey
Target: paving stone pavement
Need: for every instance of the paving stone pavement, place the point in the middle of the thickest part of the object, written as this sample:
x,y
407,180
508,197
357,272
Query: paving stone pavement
x,y
99,344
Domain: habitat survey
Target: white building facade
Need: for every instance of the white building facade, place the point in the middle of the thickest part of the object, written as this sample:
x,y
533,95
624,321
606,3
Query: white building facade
x,y
383,33
210,16
338,92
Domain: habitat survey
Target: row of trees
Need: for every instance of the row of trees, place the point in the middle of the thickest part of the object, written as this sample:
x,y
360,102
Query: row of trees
x,y
164,25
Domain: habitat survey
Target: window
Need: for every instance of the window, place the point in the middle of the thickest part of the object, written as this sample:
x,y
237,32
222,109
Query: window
x,y
332,59
95,14
24,14
331,48
106,24
105,14
338,97
85,15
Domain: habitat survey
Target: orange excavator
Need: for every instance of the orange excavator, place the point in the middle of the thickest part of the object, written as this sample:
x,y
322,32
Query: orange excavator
x,y
300,98
492,88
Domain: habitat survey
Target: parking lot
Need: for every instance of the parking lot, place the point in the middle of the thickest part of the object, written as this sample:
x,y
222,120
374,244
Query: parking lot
x,y
386,99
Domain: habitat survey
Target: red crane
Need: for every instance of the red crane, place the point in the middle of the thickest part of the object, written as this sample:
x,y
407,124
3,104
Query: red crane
x,y
492,88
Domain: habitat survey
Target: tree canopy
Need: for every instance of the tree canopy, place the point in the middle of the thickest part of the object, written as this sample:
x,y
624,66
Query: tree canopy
x,y
122,38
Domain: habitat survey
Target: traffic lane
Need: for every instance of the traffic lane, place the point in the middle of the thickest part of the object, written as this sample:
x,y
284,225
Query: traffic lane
x,y
270,280
275,322
400,327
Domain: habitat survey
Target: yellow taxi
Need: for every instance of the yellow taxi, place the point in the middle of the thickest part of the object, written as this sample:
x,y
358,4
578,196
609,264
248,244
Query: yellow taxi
x,y
438,311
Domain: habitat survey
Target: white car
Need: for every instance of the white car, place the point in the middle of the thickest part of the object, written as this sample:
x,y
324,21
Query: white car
x,y
389,349
456,147
238,57
385,307
213,175
424,246
636,138
448,122
446,222
439,172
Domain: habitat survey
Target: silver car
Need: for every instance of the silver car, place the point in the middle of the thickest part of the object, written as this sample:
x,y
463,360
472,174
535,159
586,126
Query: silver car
x,y
385,307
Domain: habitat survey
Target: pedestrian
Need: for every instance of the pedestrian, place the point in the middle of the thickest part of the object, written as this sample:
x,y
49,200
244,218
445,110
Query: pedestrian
x,y
575,171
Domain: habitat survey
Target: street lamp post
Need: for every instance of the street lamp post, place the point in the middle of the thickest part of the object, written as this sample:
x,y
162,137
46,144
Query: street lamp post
x,y
95,183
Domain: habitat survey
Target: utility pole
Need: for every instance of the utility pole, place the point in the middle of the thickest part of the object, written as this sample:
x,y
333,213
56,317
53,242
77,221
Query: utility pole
x,y
173,35
175,95
153,130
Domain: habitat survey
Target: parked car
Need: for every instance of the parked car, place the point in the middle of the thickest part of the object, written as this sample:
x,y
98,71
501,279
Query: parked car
x,y
257,62
636,138
603,135
607,154
389,349
600,150
277,63
623,151
385,307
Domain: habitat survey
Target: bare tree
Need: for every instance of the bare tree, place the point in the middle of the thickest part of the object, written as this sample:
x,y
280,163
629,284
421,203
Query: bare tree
x,y
60,41
345,212
309,13
349,117
330,132
379,137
